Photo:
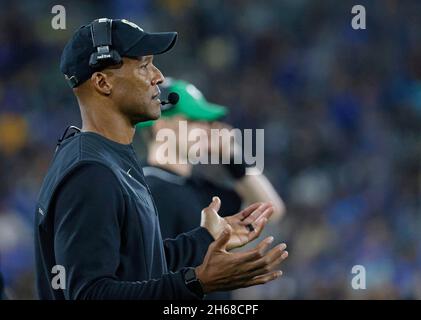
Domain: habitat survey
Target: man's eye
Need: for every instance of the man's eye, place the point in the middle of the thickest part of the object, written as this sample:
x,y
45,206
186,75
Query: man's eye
x,y
143,66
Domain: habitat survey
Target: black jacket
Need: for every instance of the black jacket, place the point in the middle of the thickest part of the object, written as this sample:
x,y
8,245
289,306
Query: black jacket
x,y
96,218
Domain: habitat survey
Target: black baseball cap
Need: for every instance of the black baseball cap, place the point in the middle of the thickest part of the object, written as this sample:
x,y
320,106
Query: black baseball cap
x,y
127,38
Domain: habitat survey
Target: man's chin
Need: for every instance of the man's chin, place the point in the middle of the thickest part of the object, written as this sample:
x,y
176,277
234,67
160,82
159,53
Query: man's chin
x,y
155,111
149,117
156,116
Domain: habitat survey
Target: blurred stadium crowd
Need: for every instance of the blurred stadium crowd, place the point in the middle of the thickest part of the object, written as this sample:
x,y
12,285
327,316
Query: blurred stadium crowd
x,y
341,111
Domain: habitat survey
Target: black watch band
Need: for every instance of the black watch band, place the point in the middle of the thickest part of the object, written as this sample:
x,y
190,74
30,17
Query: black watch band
x,y
193,283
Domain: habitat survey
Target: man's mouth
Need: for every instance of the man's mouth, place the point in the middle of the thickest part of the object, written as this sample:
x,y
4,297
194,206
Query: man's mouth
x,y
156,95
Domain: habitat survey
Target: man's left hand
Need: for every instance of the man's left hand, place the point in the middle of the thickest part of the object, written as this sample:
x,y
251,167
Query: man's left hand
x,y
245,226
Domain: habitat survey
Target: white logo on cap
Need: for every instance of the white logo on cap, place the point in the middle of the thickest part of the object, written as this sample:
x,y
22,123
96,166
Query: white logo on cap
x,y
194,91
131,24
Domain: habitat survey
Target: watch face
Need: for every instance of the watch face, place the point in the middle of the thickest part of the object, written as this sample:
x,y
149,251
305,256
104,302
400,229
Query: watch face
x,y
190,275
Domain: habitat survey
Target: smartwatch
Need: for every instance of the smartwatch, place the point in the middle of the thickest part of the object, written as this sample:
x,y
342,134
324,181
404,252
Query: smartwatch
x,y
193,283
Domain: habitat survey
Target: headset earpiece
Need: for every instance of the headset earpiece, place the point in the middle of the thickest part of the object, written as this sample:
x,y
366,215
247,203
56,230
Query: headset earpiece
x,y
101,30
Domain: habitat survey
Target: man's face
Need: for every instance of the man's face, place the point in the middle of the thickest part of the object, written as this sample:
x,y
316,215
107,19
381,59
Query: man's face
x,y
135,89
198,131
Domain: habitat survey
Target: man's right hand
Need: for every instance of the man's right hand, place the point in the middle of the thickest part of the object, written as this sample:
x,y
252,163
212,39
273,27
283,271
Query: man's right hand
x,y
222,270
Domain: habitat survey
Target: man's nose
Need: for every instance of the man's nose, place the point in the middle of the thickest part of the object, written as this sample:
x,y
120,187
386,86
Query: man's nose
x,y
158,77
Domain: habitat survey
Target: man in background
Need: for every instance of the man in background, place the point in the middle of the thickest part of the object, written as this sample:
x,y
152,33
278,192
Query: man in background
x,y
179,192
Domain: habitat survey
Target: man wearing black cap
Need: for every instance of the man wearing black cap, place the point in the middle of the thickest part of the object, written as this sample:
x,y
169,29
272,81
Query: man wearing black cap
x,y
97,234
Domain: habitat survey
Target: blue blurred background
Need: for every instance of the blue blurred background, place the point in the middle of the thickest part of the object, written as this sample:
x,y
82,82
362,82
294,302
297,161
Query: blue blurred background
x,y
341,111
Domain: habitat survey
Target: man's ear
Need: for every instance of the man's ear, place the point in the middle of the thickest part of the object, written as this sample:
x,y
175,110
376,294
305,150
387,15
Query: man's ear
x,y
101,83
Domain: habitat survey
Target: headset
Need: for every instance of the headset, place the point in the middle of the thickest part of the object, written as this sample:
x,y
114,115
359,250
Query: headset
x,y
65,136
101,30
